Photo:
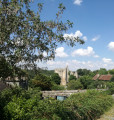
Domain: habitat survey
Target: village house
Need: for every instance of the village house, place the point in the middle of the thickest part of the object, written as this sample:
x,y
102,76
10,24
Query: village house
x,y
102,77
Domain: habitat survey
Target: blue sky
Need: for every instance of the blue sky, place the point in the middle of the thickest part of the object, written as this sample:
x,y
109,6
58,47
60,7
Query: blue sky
x,y
94,22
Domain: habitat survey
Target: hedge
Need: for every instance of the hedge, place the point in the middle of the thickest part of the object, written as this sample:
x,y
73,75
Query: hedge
x,y
89,105
82,106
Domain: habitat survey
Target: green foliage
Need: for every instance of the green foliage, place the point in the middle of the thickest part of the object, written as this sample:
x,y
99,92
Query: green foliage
x,y
82,72
111,72
72,77
16,103
23,32
42,81
57,87
55,78
103,71
112,79
97,84
28,105
74,85
47,72
21,106
110,86
88,106
85,81
5,68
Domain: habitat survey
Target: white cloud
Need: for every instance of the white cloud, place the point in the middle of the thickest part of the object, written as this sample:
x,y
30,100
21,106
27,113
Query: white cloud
x,y
95,38
84,38
72,36
107,60
95,56
111,46
78,34
60,52
76,64
78,2
75,35
84,52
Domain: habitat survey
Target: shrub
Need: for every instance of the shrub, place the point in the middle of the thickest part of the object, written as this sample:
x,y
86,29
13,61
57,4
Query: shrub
x,y
97,84
89,105
110,86
82,106
74,85
42,81
57,87
85,81
72,77
55,78
112,79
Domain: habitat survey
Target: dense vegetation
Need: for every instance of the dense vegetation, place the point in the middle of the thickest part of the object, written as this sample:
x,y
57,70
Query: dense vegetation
x,y
22,34
19,104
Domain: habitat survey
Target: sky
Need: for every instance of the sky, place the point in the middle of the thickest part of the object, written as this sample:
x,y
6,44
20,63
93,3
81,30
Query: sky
x,y
94,23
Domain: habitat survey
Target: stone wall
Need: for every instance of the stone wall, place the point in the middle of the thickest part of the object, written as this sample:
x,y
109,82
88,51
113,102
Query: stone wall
x,y
54,94
66,93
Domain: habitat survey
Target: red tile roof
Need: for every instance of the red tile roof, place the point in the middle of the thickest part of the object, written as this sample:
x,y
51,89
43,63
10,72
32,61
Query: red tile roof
x,y
105,77
96,77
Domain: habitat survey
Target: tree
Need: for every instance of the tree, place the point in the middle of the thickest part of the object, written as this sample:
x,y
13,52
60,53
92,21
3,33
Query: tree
x,y
72,77
85,81
5,68
82,72
112,79
56,79
111,72
42,82
97,84
103,71
24,37
74,85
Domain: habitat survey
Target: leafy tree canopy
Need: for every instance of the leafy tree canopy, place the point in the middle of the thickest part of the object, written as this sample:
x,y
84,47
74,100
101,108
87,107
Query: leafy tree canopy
x,y
5,68
85,81
74,85
112,79
72,77
103,71
111,72
24,37
82,72
56,78
42,82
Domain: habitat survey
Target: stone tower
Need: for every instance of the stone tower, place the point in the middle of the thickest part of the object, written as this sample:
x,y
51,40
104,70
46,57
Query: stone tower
x,y
63,73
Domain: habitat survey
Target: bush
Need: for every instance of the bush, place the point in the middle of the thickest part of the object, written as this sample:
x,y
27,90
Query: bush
x,y
82,106
55,78
21,107
110,86
97,84
89,105
112,79
86,81
42,81
74,85
72,77
57,87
